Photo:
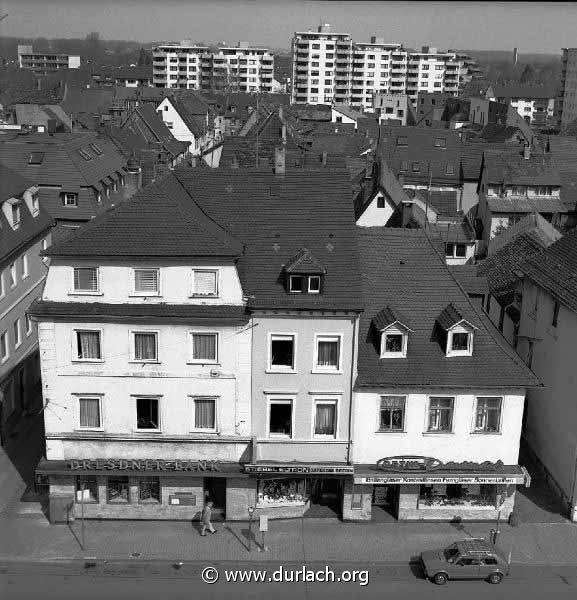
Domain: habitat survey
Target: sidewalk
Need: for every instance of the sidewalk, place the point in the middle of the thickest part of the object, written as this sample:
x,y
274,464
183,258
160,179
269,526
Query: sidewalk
x,y
28,538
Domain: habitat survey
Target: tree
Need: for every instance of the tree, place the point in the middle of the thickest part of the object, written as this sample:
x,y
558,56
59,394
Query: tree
x,y
144,58
528,75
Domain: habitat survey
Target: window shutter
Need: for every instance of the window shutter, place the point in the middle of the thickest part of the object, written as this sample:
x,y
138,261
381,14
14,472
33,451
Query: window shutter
x,y
205,283
86,279
146,280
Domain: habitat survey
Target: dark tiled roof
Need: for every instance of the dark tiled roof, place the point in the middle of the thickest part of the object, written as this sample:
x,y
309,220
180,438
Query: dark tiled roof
x,y
555,269
12,184
195,124
513,169
152,312
160,220
387,317
525,204
450,317
402,268
458,231
525,91
304,262
275,217
138,72
444,203
91,101
470,279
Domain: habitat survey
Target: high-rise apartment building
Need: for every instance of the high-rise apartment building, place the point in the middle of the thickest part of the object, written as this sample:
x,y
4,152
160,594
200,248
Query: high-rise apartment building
x,y
567,100
330,67
190,66
43,63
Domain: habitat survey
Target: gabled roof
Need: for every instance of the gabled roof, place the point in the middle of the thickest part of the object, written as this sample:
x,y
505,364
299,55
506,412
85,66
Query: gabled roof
x,y
513,169
138,72
91,101
159,221
347,111
470,279
402,267
195,124
35,115
526,204
450,317
304,262
12,184
387,317
555,269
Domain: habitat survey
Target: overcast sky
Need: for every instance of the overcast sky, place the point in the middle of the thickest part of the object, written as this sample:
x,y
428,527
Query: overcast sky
x,y
532,27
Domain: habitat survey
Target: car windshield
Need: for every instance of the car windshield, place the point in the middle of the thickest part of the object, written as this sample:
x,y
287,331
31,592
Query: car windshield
x,y
451,553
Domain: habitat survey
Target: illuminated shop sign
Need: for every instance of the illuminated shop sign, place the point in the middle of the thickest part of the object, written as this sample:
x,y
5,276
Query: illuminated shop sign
x,y
303,469
143,465
429,479
426,463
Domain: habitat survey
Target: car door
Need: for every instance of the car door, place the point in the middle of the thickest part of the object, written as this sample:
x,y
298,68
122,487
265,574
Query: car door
x,y
489,564
466,567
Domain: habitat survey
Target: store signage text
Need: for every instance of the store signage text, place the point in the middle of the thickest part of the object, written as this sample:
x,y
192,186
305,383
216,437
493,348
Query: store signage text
x,y
426,479
426,463
144,465
305,469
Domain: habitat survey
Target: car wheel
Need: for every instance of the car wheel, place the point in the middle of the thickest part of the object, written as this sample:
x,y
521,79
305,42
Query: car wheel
x,y
495,578
440,578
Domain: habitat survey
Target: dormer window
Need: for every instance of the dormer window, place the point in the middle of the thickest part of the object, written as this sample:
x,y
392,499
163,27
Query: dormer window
x,y
16,215
457,332
460,342
296,283
304,273
394,333
314,284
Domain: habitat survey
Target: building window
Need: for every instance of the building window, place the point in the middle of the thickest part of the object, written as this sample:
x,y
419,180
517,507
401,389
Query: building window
x,y
440,142
16,215
4,352
69,199
12,274
89,410
146,281
488,415
86,279
326,418
404,165
149,490
86,490
24,266
393,344
88,345
328,353
146,346
450,170
282,352
392,413
460,343
204,347
416,167
555,318
453,250
36,158
17,337
296,284
440,414
205,414
381,202
147,413
314,284
117,490
204,283
28,325
280,418
402,141
2,292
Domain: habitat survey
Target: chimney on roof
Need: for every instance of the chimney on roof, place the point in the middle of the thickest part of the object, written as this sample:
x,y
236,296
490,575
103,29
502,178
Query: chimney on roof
x,y
405,213
527,152
234,163
133,177
193,161
324,156
279,161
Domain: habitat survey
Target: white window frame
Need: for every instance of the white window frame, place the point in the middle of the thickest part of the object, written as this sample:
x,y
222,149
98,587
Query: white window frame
x,y
281,399
311,291
136,292
302,277
4,334
394,331
474,428
459,329
69,199
158,398
44,243
328,399
428,431
379,406
276,368
2,290
17,333
328,337
75,357
28,326
132,339
194,294
196,361
194,428
25,272
97,396
95,292
13,275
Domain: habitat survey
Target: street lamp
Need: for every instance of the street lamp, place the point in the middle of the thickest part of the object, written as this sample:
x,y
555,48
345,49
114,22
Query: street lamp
x,y
250,515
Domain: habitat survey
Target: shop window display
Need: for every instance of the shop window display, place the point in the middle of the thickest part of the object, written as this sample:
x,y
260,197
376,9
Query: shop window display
x,y
453,495
282,491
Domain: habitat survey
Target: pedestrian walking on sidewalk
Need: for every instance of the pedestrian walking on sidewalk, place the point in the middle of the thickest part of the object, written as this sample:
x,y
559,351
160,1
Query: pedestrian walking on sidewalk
x,y
205,519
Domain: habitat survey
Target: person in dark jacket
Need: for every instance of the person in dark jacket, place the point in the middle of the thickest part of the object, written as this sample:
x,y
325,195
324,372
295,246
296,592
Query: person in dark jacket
x,y
205,519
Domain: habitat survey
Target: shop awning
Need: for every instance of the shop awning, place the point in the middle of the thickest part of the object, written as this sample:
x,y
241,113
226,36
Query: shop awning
x,y
503,474
150,467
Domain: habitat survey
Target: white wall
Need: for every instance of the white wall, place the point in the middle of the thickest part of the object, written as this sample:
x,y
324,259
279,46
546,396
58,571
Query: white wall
x,y
461,445
375,216
178,127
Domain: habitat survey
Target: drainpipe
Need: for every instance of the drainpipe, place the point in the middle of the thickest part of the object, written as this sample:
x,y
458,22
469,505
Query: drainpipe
x,y
351,386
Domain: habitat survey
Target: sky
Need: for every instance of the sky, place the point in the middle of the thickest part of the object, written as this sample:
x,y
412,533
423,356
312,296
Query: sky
x,y
531,27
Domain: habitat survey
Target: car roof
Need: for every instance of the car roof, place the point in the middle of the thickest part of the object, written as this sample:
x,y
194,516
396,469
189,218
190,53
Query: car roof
x,y
476,545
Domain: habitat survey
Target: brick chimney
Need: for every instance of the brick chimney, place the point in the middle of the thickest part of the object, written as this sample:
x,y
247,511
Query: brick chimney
x,y
133,177
279,161
324,157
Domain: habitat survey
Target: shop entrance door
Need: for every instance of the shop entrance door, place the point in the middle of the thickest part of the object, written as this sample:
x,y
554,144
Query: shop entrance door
x,y
325,497
385,502
215,490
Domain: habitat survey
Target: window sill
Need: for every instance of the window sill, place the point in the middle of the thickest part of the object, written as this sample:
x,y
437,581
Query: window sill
x,y
158,431
212,432
286,371
117,502
389,431
87,293
88,360
438,433
327,371
144,362
145,295
203,296
486,432
149,502
279,436
203,362
394,355
81,429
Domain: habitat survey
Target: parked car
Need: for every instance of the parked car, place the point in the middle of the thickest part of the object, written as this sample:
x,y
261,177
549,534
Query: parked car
x,y
469,559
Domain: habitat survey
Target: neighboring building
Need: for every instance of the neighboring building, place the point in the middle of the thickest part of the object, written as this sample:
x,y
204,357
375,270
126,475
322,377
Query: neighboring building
x,y
393,107
483,112
330,67
24,231
439,395
535,104
43,63
78,175
512,186
190,66
42,118
547,335
132,77
567,100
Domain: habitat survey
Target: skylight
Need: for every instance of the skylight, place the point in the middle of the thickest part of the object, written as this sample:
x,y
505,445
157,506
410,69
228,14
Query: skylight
x,y
36,158
85,155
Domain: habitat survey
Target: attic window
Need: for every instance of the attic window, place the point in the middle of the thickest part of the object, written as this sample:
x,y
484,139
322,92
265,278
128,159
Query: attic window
x,y
402,140
36,158
394,342
96,149
440,142
416,167
16,215
460,343
404,165
85,155
458,332
450,170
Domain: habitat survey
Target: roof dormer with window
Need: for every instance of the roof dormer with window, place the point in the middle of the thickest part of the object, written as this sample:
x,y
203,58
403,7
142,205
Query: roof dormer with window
x,y
304,274
456,332
393,332
12,208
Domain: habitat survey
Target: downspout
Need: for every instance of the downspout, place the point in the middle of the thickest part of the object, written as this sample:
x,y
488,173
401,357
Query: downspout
x,y
351,386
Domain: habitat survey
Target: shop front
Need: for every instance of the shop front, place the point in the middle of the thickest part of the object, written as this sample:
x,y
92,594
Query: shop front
x,y
144,489
296,490
424,488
